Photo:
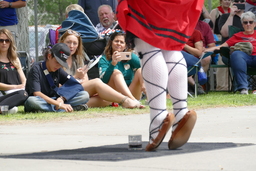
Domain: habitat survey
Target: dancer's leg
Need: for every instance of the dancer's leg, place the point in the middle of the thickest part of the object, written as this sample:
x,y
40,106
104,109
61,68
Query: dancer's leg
x,y
177,83
177,87
155,75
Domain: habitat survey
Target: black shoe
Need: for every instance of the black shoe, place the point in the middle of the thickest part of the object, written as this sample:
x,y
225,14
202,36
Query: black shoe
x,y
200,90
82,107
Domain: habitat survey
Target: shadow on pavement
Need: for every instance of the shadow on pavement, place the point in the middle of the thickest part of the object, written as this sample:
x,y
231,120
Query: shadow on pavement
x,y
120,152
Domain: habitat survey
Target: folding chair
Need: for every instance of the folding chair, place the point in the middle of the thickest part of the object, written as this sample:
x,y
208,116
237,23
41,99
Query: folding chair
x,y
196,68
25,61
225,51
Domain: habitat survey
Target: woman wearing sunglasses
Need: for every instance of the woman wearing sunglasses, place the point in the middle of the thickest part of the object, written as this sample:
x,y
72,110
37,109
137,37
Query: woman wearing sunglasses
x,y
12,78
101,94
240,60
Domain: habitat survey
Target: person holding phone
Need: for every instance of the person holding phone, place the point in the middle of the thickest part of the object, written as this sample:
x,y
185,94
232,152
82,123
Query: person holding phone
x,y
216,13
232,18
101,94
227,19
122,75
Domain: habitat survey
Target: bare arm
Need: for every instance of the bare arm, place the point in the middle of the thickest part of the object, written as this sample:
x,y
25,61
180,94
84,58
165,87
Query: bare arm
x,y
211,49
197,50
206,13
17,4
59,103
224,29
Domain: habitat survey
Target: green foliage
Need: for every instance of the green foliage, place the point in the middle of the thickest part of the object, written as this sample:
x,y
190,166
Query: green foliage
x,y
48,11
211,4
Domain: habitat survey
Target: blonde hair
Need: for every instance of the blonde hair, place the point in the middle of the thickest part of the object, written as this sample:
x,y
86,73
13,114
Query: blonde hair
x,y
11,53
79,54
74,7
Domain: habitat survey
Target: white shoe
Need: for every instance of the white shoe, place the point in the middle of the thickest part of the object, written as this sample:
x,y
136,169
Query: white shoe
x,y
13,110
244,91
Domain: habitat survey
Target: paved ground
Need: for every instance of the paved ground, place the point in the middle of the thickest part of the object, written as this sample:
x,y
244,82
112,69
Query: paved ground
x,y
223,139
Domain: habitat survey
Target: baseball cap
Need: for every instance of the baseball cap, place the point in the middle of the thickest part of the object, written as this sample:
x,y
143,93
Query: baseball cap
x,y
61,52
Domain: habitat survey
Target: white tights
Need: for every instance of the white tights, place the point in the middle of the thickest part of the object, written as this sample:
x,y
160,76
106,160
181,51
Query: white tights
x,y
163,69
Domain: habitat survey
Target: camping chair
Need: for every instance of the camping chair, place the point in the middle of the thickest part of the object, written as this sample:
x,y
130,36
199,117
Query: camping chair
x,y
251,72
194,71
25,61
92,43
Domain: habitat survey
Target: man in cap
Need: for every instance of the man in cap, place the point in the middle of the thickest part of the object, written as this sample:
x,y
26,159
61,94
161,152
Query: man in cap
x,y
43,83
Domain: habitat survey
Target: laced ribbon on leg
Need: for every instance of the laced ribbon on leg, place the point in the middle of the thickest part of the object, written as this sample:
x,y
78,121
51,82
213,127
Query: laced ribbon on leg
x,y
177,83
155,76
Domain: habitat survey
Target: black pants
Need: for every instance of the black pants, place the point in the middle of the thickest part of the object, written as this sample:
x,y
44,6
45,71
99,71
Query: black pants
x,y
16,98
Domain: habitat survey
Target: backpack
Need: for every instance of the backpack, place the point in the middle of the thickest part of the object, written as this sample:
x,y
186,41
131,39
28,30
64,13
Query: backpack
x,y
79,22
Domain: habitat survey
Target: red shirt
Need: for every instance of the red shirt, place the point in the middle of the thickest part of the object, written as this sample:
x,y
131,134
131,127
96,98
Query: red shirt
x,y
241,37
206,31
162,23
195,37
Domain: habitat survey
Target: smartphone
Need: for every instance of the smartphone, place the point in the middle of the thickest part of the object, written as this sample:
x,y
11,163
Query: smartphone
x,y
240,6
126,55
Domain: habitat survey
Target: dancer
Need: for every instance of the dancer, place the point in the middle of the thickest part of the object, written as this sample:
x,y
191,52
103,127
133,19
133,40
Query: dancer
x,y
160,33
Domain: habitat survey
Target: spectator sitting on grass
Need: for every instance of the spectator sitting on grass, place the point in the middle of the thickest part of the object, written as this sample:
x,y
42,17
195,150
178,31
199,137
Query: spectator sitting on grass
x,y
42,97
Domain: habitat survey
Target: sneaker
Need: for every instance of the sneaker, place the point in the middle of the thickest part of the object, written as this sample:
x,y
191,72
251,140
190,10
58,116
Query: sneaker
x,y
13,110
200,90
244,91
82,107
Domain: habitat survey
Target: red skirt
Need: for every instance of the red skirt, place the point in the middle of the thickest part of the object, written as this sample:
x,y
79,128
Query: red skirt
x,y
166,24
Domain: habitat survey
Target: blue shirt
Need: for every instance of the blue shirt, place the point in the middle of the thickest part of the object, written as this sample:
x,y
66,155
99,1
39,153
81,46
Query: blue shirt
x,y
8,15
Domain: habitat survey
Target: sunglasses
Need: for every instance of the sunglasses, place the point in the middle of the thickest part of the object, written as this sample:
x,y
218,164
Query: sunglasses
x,y
5,40
74,32
246,22
239,1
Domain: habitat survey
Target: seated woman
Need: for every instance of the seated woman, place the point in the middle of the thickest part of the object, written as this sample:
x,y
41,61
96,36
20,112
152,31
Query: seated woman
x,y
101,95
193,49
122,75
239,60
12,78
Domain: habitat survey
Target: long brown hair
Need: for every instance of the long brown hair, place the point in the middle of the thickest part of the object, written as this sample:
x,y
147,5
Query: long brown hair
x,y
79,54
108,49
11,53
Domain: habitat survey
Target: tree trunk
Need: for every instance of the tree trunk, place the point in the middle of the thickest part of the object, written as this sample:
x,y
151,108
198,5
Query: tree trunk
x,y
22,14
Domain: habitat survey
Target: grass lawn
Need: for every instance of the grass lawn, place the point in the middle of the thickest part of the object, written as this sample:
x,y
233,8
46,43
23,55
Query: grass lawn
x,y
210,100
